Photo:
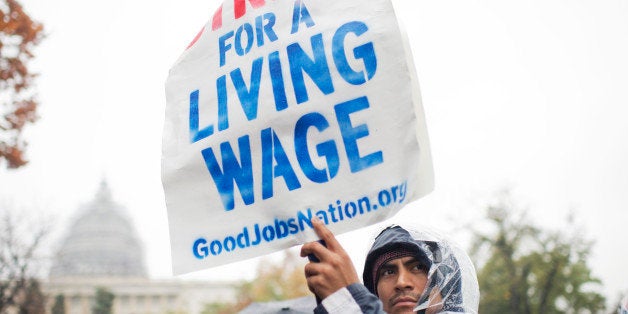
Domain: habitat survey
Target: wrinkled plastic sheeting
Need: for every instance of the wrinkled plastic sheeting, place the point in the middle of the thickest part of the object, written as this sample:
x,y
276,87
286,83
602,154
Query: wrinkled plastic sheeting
x,y
623,306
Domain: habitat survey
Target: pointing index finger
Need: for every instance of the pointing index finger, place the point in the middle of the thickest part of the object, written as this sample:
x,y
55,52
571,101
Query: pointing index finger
x,y
325,234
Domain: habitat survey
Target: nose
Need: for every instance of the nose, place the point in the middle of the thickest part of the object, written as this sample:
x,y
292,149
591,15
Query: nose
x,y
404,281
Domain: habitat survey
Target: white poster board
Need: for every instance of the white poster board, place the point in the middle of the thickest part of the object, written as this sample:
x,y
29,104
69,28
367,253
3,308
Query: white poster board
x,y
282,110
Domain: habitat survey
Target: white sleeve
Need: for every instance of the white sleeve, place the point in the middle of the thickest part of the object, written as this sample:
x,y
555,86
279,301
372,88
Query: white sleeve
x,y
341,302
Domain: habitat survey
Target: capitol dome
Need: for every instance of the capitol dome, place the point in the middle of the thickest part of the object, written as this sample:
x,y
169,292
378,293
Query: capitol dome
x,y
101,242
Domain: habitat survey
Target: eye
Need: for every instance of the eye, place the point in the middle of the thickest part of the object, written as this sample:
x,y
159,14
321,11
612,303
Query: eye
x,y
386,272
419,268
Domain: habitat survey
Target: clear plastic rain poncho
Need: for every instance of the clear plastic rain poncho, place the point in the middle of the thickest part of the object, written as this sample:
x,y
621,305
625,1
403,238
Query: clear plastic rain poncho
x,y
452,285
623,306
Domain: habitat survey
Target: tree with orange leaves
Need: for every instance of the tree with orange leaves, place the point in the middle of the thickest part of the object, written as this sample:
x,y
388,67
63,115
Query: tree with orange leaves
x,y
19,35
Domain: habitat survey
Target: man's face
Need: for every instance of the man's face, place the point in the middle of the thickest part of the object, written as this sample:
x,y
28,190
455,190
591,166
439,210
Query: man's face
x,y
401,283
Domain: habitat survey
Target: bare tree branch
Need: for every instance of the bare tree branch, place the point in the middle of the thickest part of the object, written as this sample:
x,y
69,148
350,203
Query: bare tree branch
x,y
20,241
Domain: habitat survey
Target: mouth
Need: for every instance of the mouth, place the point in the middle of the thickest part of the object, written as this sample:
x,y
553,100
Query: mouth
x,y
404,301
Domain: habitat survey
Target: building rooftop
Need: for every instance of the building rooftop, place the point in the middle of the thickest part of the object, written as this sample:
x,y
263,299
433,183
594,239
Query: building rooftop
x,y
101,242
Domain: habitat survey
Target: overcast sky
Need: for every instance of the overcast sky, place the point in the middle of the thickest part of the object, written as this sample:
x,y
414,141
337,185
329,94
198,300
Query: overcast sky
x,y
527,95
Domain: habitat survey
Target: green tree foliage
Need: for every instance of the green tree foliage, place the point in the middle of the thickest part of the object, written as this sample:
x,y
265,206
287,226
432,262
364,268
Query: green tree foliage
x,y
273,282
59,306
103,303
222,308
530,270
19,35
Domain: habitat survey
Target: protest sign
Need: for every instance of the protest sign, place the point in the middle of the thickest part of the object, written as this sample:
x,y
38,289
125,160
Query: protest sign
x,y
283,110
